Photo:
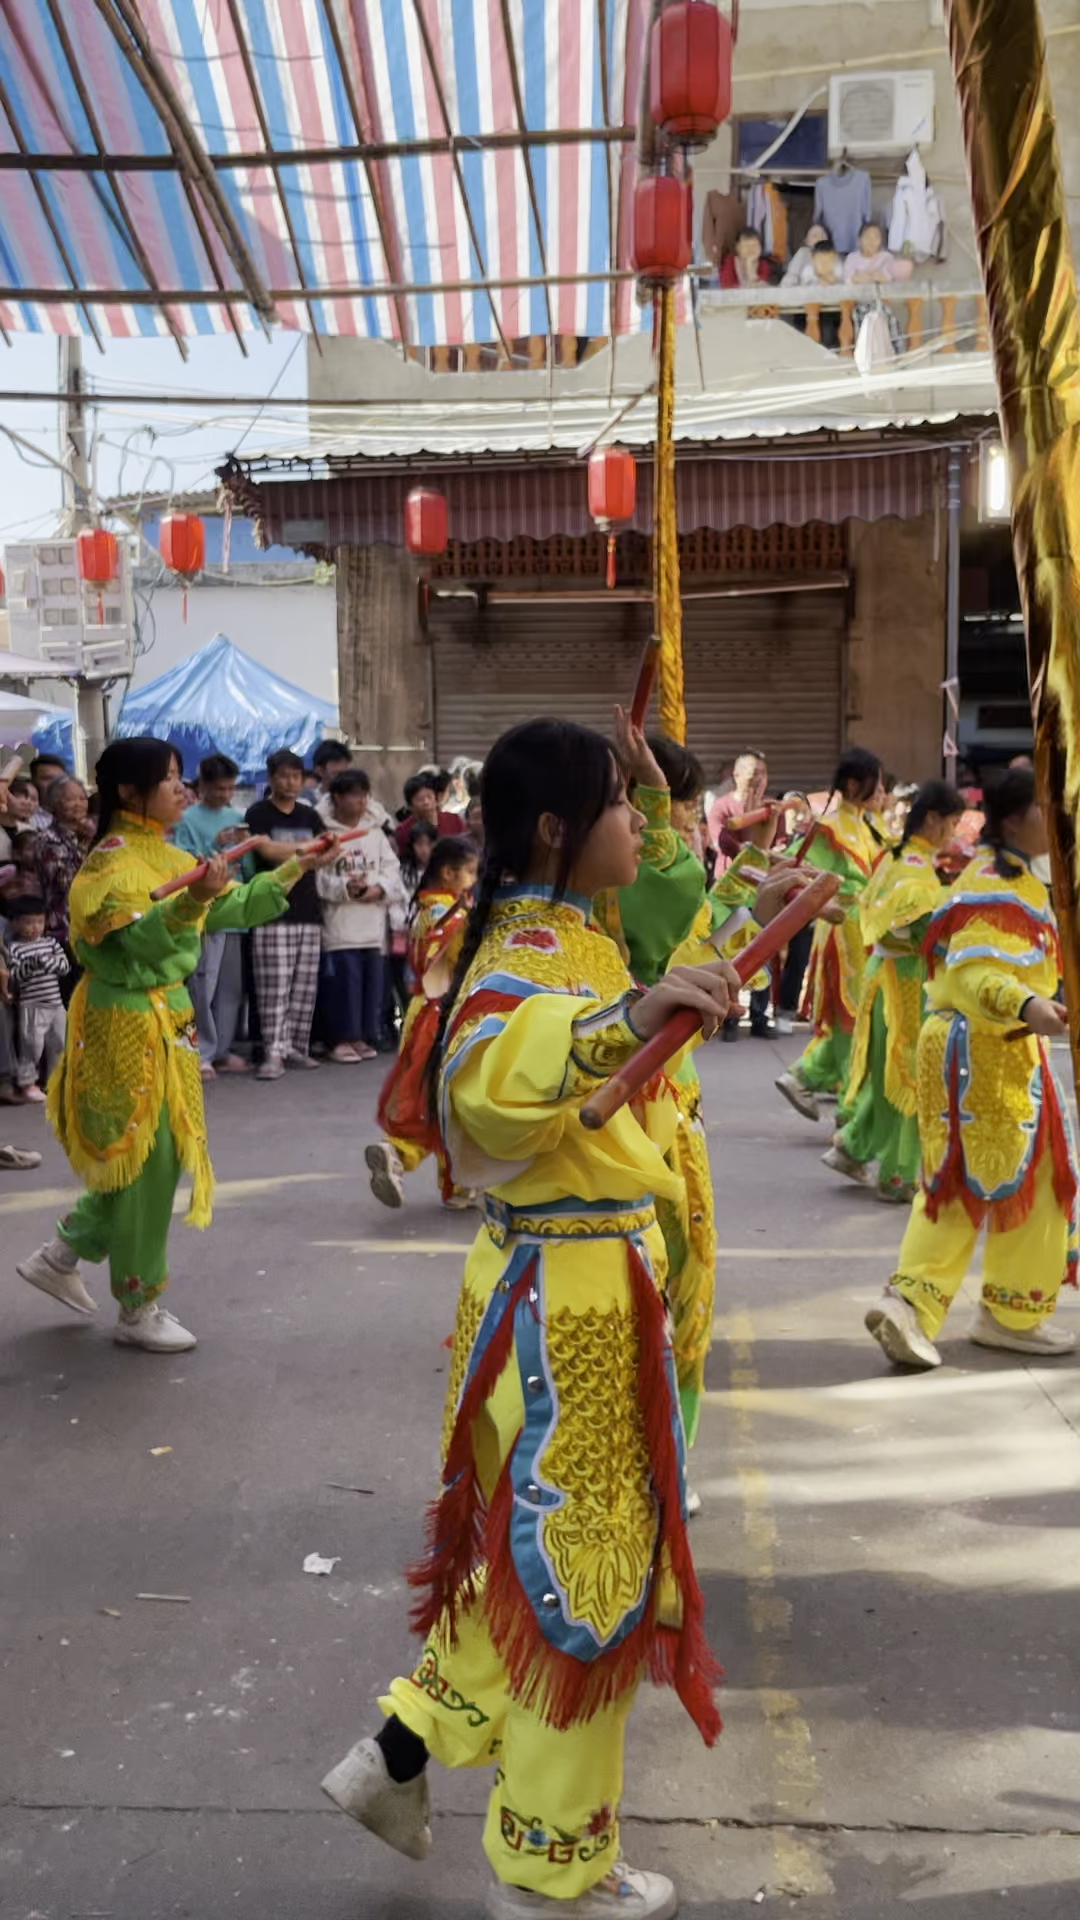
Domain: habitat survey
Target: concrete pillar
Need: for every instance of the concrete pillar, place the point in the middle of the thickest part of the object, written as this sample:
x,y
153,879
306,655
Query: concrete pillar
x,y
384,666
896,643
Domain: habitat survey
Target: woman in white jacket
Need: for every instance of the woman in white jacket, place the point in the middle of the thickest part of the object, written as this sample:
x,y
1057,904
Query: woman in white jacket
x,y
357,892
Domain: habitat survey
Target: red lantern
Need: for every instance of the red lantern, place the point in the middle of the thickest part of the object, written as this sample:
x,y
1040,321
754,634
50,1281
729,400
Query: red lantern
x,y
98,559
183,546
690,71
426,523
612,490
663,228
183,542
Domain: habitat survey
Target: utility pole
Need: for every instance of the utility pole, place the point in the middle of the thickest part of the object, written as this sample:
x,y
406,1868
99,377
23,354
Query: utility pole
x,y
88,737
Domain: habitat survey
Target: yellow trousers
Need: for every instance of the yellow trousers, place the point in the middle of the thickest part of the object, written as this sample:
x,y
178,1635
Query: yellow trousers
x,y
552,1822
1022,1270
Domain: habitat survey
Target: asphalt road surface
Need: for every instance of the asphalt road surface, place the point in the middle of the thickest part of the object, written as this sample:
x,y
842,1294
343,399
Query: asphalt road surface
x,y
890,1564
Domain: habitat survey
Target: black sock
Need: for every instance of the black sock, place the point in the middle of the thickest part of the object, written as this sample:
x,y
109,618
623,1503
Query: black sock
x,y
404,1752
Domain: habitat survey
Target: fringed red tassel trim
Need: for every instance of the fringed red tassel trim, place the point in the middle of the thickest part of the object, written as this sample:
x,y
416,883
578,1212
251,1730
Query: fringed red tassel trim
x,y
563,1690
833,1011
1008,1214
457,1520
404,1107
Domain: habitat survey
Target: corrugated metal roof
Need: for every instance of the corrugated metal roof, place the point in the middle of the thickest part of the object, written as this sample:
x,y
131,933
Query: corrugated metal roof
x,y
193,165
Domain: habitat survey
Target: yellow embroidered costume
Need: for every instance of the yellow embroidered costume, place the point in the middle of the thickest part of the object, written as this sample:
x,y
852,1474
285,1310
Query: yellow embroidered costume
x,y
404,1110
126,1100
843,844
880,1101
995,1145
558,1572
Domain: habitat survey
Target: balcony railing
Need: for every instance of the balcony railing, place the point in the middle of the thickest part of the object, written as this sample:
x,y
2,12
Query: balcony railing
x,y
931,317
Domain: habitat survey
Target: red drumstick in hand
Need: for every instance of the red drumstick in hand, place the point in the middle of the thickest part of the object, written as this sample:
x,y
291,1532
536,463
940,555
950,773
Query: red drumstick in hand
x,y
681,1028
650,660
183,880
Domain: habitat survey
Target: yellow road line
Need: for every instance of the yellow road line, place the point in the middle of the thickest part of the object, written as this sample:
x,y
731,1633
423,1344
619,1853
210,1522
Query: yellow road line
x,y
227,1193
799,1868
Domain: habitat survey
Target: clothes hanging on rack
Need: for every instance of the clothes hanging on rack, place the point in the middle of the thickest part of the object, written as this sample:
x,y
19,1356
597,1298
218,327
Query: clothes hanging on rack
x,y
767,214
917,220
842,203
723,219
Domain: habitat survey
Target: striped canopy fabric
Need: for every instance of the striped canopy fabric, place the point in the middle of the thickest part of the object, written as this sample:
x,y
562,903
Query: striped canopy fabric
x,y
388,168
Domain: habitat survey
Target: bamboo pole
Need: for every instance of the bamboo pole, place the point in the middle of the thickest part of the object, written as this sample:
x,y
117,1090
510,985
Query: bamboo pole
x,y
668,608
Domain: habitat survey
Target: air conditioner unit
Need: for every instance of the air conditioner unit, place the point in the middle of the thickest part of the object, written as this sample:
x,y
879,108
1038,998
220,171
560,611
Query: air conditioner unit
x,y
872,113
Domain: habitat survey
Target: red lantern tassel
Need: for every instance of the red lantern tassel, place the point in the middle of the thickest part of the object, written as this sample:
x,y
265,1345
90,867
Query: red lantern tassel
x,y
185,604
611,560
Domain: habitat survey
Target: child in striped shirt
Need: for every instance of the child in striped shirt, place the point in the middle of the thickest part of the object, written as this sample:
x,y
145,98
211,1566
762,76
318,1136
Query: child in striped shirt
x,y
38,962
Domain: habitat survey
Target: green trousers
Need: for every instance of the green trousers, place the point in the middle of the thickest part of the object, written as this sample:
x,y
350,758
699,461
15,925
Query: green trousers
x,y
873,1128
130,1229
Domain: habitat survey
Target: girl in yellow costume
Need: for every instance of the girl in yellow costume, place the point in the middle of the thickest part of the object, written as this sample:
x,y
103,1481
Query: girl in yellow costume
x,y
558,1572
993,1130
410,1130
842,843
126,1100
881,1124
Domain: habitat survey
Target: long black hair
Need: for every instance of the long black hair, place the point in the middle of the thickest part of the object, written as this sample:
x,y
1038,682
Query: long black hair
x,y
449,854
857,765
681,769
935,796
1002,800
542,766
142,763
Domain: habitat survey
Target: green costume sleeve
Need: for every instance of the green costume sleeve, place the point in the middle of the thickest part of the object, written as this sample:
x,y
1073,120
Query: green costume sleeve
x,y
256,902
659,910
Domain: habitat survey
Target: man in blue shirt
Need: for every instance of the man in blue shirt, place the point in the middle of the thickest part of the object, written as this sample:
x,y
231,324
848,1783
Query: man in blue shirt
x,y
211,826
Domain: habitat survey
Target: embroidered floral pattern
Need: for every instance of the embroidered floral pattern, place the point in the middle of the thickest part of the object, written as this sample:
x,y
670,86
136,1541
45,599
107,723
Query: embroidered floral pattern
x,y
428,1677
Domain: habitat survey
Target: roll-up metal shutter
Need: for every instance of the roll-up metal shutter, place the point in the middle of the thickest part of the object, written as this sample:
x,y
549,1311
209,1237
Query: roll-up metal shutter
x,y
764,670
513,663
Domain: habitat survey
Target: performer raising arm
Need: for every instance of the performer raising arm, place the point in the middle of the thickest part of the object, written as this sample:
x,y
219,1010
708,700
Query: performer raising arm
x,y
558,1573
992,1126
126,1100
882,1122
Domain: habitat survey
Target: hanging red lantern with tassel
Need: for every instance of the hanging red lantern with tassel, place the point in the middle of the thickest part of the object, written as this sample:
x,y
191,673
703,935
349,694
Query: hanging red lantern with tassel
x,y
98,559
426,521
690,71
183,547
663,228
612,492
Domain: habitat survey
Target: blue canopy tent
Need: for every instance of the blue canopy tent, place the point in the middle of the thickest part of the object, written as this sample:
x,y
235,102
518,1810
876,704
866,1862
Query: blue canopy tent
x,y
220,700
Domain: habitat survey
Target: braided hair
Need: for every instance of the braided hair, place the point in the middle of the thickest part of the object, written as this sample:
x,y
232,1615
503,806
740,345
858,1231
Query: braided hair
x,y
541,767
1014,793
935,796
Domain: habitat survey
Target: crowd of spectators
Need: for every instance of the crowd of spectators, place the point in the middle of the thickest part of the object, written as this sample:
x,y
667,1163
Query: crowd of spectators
x,y
325,982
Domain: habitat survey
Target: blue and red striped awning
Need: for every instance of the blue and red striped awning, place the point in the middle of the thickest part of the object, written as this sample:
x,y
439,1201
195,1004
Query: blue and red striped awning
x,y
388,168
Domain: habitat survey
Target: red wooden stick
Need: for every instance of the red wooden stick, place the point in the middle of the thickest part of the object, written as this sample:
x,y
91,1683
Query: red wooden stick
x,y
808,842
650,660
676,1032
183,880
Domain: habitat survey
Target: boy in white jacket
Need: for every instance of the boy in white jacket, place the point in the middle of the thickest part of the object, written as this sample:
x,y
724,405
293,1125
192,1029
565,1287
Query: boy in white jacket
x,y
357,892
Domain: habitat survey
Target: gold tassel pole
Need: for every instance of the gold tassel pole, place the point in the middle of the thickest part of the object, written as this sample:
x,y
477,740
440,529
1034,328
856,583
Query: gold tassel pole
x,y
999,63
668,606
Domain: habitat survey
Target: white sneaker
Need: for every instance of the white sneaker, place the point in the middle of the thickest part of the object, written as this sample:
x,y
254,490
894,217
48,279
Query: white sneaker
x,y
271,1068
1045,1339
693,1503
798,1096
784,1024
398,1812
55,1270
19,1159
841,1161
626,1894
462,1199
387,1173
895,1326
155,1329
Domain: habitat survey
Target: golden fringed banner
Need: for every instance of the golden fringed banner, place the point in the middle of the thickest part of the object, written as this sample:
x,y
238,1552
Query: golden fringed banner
x,y
999,64
668,606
